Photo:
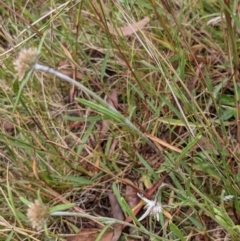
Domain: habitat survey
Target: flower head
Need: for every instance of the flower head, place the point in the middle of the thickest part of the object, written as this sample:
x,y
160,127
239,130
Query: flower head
x,y
37,214
229,197
25,61
154,208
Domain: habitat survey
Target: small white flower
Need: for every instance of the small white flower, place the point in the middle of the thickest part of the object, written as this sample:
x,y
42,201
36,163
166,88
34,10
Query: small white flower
x,y
154,208
229,197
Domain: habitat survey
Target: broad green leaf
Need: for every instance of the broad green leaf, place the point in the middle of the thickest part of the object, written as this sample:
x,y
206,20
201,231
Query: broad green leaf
x,y
61,207
176,231
188,148
76,181
147,166
110,113
227,100
25,201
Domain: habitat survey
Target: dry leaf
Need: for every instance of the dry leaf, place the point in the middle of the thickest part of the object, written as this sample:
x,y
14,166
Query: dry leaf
x,y
131,196
8,128
91,235
130,29
113,147
117,214
112,99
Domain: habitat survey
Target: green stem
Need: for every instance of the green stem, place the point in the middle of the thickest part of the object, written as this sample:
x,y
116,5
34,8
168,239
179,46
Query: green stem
x,y
97,98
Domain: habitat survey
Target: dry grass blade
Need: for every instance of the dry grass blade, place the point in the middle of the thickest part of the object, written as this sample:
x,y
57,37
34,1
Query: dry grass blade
x,y
169,73
163,143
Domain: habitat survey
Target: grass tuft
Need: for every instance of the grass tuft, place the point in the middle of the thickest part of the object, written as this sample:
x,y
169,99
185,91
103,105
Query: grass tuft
x,y
123,93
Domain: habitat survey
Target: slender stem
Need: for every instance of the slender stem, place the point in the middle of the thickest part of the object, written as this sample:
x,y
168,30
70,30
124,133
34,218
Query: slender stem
x,y
97,98
84,215
104,220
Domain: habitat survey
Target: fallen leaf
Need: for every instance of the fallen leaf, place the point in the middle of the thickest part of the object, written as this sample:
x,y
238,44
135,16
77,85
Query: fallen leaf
x,y
8,128
117,214
112,99
91,235
75,125
130,29
132,199
131,196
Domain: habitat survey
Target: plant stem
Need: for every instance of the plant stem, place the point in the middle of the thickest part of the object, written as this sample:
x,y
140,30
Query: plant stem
x,y
127,122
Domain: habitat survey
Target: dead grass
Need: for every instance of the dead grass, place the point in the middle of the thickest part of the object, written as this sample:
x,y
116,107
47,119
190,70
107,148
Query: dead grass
x,y
171,68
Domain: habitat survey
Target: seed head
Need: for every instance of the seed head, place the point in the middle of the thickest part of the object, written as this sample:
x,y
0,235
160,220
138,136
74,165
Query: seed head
x,y
37,214
25,61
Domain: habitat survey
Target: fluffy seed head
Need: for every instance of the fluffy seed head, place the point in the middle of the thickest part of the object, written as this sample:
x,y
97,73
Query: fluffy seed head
x,y
25,61
37,214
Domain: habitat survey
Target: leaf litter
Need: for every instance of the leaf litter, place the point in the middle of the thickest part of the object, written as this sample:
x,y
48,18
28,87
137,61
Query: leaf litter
x,y
117,214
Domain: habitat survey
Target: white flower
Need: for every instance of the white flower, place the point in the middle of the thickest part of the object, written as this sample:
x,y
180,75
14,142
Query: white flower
x,y
154,208
229,197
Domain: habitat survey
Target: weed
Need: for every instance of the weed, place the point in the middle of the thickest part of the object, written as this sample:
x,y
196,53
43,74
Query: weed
x,y
151,91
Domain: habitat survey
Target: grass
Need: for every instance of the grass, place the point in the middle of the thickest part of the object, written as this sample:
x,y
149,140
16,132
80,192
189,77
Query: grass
x,y
161,100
